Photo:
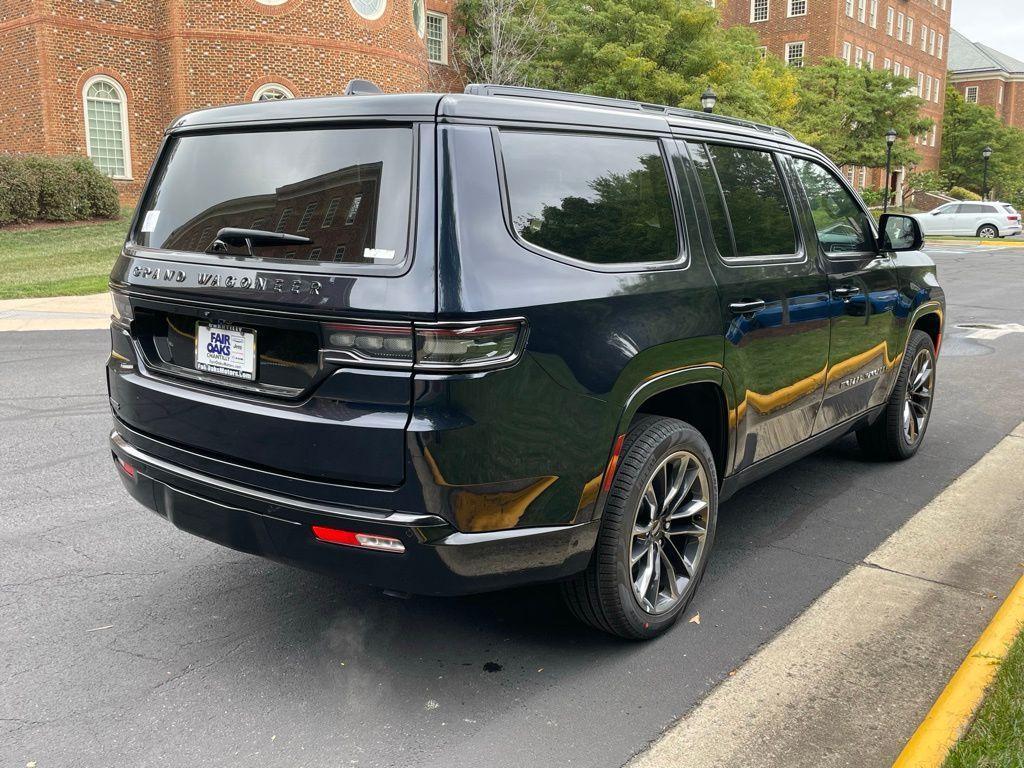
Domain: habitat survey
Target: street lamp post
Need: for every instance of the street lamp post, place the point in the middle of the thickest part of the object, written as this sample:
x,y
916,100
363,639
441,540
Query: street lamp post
x,y
708,99
985,153
890,139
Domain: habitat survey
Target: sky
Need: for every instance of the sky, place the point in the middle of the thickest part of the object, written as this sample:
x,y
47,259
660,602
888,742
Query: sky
x,y
996,23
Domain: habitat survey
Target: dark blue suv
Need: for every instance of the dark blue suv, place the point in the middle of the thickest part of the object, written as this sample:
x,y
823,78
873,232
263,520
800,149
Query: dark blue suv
x,y
452,343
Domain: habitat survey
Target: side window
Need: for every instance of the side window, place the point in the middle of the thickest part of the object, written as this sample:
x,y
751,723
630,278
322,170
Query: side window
x,y
972,208
599,199
753,200
841,224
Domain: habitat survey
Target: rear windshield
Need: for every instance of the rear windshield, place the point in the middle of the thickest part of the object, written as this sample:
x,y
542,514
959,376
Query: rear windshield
x,y
345,189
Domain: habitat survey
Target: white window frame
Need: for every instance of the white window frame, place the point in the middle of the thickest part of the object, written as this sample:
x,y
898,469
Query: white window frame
x,y
874,14
272,87
929,82
1000,93
897,69
887,65
942,41
444,36
755,6
920,84
901,19
971,94
931,41
869,61
858,57
910,30
847,52
762,51
938,90
796,8
863,176
862,11
797,62
124,121
849,8
924,38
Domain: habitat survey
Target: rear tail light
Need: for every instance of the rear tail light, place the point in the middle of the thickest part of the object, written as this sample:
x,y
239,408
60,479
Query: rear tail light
x,y
435,346
124,466
353,539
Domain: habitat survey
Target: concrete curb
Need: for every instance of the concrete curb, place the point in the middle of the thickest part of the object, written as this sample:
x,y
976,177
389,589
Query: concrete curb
x,y
848,681
56,313
952,712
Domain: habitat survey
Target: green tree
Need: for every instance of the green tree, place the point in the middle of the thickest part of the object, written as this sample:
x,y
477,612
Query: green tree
x,y
846,111
966,130
664,52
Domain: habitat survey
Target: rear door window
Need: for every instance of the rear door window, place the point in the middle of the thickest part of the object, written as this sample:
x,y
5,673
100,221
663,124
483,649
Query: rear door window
x,y
347,190
841,224
751,198
597,199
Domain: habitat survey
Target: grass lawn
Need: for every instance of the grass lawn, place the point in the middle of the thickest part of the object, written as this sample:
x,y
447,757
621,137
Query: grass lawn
x,y
996,738
64,260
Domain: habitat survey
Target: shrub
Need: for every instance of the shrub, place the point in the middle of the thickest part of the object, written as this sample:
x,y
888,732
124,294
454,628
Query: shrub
x,y
100,190
62,192
19,192
872,197
960,193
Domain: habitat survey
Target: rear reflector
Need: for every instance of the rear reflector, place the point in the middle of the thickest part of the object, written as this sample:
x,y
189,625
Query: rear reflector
x,y
613,462
352,539
127,468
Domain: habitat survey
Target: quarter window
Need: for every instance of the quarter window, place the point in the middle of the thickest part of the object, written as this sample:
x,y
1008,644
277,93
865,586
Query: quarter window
x,y
599,199
841,224
743,189
106,126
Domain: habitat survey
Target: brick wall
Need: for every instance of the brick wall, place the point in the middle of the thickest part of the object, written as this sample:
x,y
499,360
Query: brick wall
x,y
1010,110
826,27
172,56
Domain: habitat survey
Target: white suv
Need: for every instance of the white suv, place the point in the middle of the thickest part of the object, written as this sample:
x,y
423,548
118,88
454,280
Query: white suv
x,y
988,219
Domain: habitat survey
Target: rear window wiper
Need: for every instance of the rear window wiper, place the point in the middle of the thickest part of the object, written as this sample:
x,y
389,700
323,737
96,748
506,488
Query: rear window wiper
x,y
251,238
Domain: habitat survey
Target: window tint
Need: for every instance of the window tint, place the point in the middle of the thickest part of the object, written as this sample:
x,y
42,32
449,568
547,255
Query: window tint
x,y
347,190
841,224
599,199
755,201
975,208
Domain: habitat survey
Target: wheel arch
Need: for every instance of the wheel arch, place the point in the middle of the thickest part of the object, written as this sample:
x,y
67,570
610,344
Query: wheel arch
x,y
699,396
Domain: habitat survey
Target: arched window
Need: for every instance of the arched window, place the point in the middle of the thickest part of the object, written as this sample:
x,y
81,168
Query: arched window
x,y
272,92
106,126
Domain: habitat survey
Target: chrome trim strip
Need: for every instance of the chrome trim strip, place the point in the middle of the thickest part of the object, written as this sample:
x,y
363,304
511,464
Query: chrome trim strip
x,y
390,518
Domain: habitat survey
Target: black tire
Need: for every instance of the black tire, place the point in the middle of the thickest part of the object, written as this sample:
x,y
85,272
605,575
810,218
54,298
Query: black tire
x,y
887,439
603,595
988,232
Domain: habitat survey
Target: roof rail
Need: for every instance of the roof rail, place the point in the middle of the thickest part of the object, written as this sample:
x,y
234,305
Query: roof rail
x,y
487,89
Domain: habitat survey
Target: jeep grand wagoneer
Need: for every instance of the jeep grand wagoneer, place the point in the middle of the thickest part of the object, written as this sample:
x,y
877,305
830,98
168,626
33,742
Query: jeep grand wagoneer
x,y
453,343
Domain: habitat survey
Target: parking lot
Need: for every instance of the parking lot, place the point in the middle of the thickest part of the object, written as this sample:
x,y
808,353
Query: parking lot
x,y
124,641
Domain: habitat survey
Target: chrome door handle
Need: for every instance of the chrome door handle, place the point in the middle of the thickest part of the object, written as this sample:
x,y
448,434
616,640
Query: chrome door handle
x,y
747,307
845,291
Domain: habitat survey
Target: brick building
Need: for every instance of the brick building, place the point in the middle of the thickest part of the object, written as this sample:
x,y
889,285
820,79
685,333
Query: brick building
x,y
104,77
908,37
985,76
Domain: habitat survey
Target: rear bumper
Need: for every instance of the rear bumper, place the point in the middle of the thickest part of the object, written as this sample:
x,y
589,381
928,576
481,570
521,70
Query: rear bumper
x,y
438,560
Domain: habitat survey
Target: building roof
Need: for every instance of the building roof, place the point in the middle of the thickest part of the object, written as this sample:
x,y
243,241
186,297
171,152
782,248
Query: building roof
x,y
965,56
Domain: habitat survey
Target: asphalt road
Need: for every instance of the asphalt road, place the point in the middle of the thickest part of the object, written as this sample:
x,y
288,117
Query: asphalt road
x,y
126,642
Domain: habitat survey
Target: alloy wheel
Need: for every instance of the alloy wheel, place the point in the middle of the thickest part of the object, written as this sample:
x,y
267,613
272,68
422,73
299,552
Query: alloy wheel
x,y
918,401
988,233
669,532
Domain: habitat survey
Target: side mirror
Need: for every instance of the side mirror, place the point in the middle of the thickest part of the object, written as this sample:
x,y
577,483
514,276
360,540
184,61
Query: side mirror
x,y
900,233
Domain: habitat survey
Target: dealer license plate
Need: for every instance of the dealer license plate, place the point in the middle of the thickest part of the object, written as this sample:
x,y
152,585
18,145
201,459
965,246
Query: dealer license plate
x,y
226,350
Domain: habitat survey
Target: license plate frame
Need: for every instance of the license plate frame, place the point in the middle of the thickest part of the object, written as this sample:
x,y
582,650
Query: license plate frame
x,y
232,354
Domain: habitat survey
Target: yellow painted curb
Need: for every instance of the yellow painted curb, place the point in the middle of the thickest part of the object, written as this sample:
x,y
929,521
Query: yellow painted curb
x,y
952,711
